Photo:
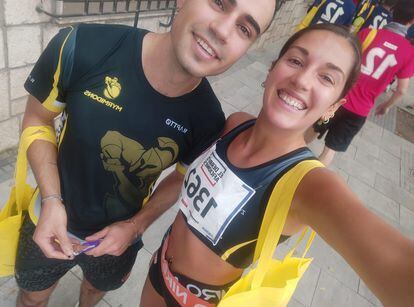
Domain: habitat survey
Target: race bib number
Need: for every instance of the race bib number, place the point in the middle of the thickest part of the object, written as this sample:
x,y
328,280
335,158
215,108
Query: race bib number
x,y
212,195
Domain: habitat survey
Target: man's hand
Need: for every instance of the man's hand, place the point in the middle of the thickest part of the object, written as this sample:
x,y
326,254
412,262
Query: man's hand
x,y
51,232
382,109
116,238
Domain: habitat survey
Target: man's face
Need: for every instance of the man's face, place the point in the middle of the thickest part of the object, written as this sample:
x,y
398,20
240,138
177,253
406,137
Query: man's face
x,y
208,36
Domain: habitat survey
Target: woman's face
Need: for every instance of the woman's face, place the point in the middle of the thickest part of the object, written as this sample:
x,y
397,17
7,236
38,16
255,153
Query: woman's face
x,y
307,80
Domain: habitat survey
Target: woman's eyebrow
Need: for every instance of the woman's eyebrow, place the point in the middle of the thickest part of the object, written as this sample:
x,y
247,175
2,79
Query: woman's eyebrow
x,y
336,68
329,65
301,49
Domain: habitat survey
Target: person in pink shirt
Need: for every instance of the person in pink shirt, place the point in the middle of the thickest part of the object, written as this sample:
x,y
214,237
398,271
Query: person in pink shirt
x,y
389,55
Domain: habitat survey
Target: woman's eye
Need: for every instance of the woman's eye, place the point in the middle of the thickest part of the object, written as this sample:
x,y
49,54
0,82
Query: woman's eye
x,y
328,79
219,3
294,61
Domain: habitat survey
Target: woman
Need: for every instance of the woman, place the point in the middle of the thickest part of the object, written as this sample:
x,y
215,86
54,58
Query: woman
x,y
209,243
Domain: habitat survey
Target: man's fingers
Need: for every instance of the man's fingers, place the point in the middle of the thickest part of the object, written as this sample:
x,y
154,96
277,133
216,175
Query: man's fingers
x,y
74,241
51,249
99,235
65,244
101,249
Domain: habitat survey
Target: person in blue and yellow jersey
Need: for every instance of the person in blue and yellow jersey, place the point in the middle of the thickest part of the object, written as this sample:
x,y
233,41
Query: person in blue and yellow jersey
x,y
340,12
375,15
131,103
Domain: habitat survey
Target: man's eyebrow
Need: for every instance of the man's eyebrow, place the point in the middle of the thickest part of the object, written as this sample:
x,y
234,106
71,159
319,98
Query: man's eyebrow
x,y
254,24
249,18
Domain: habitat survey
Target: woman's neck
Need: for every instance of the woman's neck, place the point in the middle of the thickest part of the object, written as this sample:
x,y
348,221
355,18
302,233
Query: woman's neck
x,y
263,143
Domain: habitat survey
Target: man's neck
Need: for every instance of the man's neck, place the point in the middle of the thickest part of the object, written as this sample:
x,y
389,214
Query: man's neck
x,y
162,69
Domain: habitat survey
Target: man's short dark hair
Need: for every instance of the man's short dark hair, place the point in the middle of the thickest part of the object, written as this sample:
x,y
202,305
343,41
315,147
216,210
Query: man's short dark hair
x,y
403,11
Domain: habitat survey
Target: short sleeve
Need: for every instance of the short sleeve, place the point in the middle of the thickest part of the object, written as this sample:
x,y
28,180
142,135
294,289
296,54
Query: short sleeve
x,y
207,133
51,74
407,71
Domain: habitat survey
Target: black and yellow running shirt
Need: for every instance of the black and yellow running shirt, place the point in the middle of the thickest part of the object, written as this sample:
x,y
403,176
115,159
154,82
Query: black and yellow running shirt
x,y
117,132
224,205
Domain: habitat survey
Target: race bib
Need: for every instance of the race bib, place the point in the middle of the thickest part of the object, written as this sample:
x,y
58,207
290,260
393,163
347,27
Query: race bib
x,y
212,195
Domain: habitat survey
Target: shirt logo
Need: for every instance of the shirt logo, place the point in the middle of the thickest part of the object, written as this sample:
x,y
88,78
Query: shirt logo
x,y
173,124
113,88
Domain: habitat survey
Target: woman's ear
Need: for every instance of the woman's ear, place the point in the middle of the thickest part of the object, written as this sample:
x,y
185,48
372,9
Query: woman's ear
x,y
332,109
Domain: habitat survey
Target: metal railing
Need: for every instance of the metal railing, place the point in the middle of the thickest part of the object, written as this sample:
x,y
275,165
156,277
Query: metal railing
x,y
119,7
84,8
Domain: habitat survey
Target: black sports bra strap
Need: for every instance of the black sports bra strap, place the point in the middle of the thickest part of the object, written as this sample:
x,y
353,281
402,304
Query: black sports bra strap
x,y
238,129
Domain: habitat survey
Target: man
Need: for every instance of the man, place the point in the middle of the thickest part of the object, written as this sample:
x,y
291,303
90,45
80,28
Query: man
x,y
377,15
340,12
389,55
133,104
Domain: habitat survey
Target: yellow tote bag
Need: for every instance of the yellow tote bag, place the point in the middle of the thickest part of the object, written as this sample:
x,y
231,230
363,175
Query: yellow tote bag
x,y
19,199
272,282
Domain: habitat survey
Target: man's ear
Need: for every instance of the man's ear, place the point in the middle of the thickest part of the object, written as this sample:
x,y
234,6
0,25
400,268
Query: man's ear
x,y
332,109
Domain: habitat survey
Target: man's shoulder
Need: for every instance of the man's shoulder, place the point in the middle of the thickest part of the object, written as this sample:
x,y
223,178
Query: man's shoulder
x,y
102,33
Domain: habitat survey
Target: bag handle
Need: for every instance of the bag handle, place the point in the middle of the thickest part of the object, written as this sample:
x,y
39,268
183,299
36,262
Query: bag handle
x,y
29,135
308,244
279,202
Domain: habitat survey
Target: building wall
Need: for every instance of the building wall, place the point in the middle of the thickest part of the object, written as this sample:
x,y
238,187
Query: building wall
x,y
24,33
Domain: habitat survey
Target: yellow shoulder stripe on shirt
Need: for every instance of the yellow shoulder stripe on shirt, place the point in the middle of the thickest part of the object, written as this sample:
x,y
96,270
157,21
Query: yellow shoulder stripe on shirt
x,y
49,102
181,168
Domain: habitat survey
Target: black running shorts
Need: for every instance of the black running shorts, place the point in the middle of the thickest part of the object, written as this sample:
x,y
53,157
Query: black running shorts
x,y
36,272
342,128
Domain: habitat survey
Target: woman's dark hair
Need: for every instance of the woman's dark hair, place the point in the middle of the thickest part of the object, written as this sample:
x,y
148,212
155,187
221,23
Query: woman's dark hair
x,y
403,11
340,31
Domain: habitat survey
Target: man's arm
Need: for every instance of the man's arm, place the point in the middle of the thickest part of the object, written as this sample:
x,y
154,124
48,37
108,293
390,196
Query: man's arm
x,y
42,156
398,93
120,235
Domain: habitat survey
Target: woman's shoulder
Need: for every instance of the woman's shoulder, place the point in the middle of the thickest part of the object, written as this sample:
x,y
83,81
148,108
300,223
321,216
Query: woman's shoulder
x,y
236,119
331,190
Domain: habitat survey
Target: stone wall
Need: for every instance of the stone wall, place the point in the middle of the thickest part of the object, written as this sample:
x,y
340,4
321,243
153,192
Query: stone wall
x,y
24,33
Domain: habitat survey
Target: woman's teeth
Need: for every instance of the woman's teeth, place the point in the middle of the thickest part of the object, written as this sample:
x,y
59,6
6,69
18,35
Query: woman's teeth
x,y
289,100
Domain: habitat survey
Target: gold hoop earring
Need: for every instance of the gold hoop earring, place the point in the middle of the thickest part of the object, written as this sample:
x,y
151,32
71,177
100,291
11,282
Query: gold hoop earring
x,y
323,121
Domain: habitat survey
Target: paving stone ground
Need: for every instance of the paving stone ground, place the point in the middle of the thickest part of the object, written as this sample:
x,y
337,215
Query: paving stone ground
x,y
379,167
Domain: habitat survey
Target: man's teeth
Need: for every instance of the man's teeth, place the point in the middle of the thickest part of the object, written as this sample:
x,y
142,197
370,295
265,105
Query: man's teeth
x,y
206,47
291,101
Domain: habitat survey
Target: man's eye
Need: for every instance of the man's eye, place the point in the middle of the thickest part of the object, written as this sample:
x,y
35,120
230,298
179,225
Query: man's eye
x,y
245,30
219,3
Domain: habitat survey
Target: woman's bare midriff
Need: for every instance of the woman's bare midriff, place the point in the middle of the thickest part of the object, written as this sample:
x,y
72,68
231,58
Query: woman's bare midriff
x,y
192,258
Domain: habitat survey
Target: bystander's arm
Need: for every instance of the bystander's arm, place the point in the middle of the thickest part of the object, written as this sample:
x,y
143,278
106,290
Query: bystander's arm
x,y
398,93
